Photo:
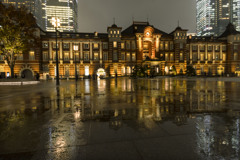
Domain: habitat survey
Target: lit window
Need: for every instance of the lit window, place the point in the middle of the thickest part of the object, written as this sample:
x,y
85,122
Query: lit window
x,y
171,57
202,57
118,32
224,57
133,56
209,57
217,48
166,45
128,57
66,56
114,32
122,45
96,56
75,47
76,56
181,56
161,46
31,55
95,45
166,57
115,44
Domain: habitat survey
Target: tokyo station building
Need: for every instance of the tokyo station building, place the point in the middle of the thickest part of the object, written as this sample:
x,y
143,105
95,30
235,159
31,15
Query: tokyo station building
x,y
118,51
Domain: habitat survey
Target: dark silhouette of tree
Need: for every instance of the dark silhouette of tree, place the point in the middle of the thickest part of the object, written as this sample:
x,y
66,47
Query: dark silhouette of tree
x,y
17,33
190,71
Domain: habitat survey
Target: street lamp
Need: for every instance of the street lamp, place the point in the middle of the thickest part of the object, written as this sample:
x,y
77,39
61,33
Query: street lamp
x,y
56,24
75,48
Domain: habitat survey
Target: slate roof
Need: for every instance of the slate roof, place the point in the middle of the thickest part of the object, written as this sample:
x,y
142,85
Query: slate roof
x,y
75,35
230,30
138,27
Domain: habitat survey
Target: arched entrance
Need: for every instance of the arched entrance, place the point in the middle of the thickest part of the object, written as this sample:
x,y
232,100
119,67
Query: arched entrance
x,y
101,72
27,73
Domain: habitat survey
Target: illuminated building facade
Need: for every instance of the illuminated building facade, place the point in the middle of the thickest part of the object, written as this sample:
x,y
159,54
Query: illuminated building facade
x,y
65,10
117,52
214,15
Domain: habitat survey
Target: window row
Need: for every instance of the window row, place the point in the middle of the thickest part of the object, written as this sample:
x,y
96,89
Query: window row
x,y
76,46
209,57
96,56
209,48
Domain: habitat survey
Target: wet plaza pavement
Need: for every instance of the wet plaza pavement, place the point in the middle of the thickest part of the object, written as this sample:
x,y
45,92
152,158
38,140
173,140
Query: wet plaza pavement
x,y
165,118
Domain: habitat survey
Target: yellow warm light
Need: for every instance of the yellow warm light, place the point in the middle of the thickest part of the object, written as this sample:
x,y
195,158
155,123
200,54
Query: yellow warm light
x,y
55,22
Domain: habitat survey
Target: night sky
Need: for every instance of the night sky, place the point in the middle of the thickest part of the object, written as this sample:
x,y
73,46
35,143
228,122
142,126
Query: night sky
x,y
97,15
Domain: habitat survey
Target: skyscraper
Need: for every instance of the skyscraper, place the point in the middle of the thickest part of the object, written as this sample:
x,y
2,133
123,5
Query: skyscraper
x,y
214,15
65,10
44,10
34,6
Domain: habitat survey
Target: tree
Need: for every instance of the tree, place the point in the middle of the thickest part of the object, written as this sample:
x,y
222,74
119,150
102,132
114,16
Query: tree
x,y
190,71
174,71
17,33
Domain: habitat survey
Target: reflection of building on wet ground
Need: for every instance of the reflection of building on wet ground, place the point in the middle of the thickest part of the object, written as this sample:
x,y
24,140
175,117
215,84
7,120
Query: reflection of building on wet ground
x,y
118,51
160,99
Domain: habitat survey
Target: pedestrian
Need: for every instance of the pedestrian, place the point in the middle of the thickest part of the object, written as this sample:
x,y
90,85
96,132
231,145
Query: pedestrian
x,y
37,76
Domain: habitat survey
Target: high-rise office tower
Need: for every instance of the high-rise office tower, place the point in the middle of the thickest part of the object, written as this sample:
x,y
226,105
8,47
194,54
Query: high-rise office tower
x,y
65,10
214,15
45,10
34,6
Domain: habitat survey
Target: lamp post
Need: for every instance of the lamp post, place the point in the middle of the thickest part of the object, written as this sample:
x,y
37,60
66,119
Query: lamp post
x,y
56,23
75,48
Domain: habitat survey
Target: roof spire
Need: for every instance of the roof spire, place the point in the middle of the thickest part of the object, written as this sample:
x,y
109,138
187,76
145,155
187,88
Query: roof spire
x,y
178,23
113,20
